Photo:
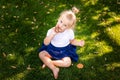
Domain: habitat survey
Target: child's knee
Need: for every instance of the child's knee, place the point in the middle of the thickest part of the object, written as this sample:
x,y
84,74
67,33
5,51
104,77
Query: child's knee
x,y
67,62
41,54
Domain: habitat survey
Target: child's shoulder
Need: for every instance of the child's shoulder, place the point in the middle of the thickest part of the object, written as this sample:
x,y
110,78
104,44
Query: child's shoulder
x,y
70,30
51,29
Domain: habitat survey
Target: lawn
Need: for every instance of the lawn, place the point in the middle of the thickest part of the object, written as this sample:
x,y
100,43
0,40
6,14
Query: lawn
x,y
23,26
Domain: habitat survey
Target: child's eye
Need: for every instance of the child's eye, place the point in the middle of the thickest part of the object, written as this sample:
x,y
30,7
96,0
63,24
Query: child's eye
x,y
65,25
60,21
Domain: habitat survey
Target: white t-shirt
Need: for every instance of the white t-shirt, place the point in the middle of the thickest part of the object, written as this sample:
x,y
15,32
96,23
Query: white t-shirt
x,y
62,39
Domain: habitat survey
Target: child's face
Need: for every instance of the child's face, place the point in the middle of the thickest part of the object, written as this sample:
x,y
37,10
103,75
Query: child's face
x,y
62,24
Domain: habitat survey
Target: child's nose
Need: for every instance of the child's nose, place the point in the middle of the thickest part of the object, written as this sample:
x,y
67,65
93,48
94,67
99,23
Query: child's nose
x,y
60,27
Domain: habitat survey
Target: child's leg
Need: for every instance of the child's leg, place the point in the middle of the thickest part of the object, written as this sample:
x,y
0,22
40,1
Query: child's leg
x,y
65,62
43,66
45,57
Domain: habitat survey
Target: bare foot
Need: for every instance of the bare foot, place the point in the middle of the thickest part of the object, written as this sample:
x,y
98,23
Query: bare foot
x,y
43,66
55,73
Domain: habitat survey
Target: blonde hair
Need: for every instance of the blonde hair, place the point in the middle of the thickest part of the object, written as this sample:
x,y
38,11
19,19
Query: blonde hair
x,y
70,15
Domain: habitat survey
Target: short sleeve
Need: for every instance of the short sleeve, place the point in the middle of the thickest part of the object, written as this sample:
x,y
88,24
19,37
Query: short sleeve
x,y
71,35
48,32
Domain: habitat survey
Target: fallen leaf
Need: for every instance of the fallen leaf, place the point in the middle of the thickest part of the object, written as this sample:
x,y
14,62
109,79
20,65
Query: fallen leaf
x,y
28,68
80,65
4,55
13,67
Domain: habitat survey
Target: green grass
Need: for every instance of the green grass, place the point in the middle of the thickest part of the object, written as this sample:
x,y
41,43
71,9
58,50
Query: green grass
x,y
23,26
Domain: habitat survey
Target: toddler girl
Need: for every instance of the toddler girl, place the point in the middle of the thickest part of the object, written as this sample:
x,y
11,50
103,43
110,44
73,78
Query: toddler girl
x,y
59,46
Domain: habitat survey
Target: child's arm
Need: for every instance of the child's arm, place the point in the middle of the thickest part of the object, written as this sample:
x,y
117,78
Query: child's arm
x,y
48,39
77,42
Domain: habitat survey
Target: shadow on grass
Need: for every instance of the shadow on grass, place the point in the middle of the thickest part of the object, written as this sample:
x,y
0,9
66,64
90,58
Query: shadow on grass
x,y
100,65
23,25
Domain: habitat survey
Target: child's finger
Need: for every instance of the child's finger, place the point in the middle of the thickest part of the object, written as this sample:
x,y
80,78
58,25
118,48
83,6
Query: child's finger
x,y
82,43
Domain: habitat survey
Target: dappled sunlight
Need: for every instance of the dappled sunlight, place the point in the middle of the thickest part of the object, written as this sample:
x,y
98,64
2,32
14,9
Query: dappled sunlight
x,y
88,57
105,8
3,6
97,49
104,48
18,76
62,5
29,49
11,57
95,17
35,27
112,66
78,28
114,33
14,57
81,32
20,61
29,22
23,26
50,10
116,17
94,35
107,17
89,2
12,34
107,22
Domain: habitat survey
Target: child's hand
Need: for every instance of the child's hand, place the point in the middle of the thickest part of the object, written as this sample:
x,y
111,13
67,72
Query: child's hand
x,y
53,31
81,43
57,29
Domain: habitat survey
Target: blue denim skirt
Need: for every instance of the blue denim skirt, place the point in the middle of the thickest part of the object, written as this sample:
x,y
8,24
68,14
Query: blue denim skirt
x,y
58,53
